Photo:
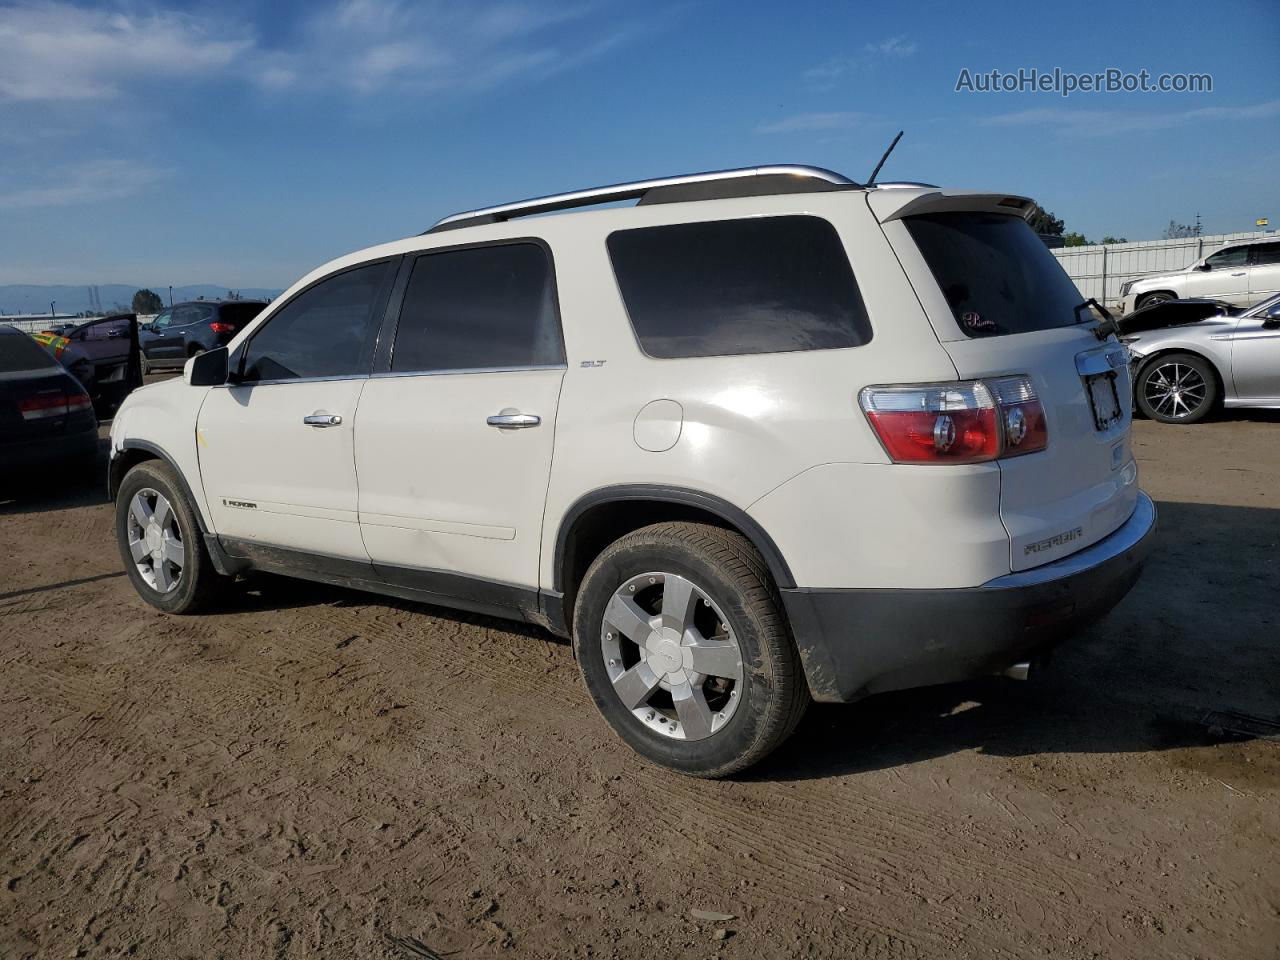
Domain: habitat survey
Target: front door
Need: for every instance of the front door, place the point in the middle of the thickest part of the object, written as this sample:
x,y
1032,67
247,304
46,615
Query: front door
x,y
1255,358
277,444
454,440
1226,279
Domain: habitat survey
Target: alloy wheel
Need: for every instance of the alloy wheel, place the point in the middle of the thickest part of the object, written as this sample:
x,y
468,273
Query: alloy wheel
x,y
1175,390
671,656
155,540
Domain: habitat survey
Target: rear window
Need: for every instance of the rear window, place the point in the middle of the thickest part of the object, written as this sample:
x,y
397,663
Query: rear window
x,y
239,313
997,275
729,287
19,354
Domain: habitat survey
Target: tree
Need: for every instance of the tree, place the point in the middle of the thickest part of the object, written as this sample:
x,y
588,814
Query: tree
x,y
1042,221
146,303
1110,239
1176,231
1074,240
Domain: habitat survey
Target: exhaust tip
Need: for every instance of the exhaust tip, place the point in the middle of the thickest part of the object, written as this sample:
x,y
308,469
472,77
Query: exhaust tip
x,y
1019,671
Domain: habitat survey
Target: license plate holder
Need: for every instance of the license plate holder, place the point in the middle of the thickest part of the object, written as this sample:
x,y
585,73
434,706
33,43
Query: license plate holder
x,y
1104,399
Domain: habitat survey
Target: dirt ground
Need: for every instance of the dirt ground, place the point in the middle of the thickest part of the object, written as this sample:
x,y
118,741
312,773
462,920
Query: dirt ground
x,y
319,773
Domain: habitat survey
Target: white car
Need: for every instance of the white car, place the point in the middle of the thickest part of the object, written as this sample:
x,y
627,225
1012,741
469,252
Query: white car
x,y
1242,274
766,436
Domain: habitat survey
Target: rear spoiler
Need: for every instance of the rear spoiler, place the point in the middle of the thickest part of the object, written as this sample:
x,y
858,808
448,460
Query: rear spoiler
x,y
895,204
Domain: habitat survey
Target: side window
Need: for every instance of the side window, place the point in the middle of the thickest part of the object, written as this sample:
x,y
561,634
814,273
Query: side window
x,y
1231,257
1266,254
478,308
728,287
328,330
188,313
162,320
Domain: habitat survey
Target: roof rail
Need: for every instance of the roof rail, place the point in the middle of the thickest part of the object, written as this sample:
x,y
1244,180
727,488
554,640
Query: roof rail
x,y
713,185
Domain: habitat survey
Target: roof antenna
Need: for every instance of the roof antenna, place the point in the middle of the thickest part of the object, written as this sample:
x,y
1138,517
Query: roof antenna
x,y
872,179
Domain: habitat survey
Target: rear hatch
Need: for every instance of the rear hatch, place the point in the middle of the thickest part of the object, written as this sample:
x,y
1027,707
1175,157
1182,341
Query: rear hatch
x,y
1001,304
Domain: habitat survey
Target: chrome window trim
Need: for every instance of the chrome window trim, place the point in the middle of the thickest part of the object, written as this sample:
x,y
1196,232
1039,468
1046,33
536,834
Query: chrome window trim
x,y
270,383
468,370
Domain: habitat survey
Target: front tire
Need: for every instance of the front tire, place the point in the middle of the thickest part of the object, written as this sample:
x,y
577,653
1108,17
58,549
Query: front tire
x,y
683,646
1177,388
1153,298
160,541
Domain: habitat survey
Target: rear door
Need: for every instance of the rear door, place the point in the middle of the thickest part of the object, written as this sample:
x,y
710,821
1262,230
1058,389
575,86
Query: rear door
x,y
1264,271
454,437
1001,304
276,445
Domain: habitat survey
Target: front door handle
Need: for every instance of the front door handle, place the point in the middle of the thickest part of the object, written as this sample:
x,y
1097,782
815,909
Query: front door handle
x,y
1240,274
322,420
513,421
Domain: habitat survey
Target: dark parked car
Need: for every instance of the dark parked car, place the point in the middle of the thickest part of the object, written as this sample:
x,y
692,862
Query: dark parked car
x,y
46,416
189,328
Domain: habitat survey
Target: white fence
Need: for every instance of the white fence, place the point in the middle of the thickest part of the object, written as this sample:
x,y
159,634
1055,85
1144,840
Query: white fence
x,y
1099,270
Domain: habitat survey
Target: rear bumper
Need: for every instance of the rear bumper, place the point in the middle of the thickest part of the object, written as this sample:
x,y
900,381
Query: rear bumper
x,y
59,448
858,642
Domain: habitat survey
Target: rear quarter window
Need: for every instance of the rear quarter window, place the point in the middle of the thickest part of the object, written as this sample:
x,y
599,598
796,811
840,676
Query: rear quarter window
x,y
998,277
732,287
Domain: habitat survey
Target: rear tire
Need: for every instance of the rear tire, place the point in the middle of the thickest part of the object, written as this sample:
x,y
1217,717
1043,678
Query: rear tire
x,y
160,541
665,600
1177,388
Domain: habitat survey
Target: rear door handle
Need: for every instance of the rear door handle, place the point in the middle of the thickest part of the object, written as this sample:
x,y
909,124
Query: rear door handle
x,y
322,420
513,421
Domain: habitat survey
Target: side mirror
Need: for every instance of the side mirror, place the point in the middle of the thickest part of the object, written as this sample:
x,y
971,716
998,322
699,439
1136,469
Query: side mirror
x,y
1203,266
208,369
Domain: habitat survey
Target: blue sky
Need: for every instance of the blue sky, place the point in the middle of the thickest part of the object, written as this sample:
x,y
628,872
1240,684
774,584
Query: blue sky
x,y
242,144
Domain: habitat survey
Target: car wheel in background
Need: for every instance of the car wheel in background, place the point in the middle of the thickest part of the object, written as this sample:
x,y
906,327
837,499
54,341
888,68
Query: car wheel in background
x,y
683,645
1177,388
1151,298
160,541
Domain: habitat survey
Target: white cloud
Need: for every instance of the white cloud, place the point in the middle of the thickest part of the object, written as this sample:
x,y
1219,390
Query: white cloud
x,y
801,122
1107,123
363,46
89,182
51,50
893,47
825,75
56,51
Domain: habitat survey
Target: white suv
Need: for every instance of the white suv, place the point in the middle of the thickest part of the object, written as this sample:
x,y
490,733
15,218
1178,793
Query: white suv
x,y
766,436
1241,274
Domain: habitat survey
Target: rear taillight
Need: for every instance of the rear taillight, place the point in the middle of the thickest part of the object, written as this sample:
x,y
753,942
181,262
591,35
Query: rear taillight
x,y
53,405
219,327
970,421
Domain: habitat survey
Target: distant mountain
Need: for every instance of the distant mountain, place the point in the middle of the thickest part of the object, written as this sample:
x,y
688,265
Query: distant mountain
x,y
34,298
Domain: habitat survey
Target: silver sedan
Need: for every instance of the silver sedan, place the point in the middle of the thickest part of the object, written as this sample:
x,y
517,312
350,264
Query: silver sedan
x,y
1181,373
